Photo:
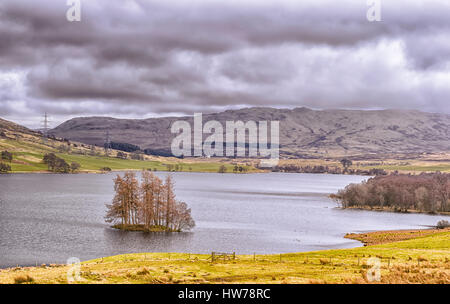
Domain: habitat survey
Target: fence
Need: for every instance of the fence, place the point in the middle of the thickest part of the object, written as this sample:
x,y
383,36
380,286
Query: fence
x,y
349,261
215,256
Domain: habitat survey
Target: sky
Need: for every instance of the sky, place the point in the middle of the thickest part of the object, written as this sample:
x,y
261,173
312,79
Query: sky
x,y
140,59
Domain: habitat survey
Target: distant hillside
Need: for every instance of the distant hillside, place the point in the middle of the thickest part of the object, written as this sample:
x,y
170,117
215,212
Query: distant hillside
x,y
304,132
29,147
10,127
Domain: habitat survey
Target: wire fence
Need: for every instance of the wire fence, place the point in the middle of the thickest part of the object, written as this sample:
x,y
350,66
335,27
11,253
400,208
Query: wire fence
x,y
222,257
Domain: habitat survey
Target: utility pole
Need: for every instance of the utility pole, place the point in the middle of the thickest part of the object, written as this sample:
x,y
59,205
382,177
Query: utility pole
x,y
107,143
45,128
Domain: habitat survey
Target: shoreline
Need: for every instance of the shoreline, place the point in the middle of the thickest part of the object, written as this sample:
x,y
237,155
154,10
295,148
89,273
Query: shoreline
x,y
390,236
369,238
141,228
257,171
122,170
409,211
425,252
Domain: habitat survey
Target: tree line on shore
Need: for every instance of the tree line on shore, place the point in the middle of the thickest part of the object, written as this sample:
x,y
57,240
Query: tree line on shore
x,y
58,165
327,169
5,156
149,205
427,192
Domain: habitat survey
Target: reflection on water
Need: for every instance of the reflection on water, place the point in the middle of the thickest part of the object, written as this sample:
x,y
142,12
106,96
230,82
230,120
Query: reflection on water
x,y
49,218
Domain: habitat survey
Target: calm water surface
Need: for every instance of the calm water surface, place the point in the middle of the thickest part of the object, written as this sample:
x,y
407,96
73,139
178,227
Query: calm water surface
x,y
47,218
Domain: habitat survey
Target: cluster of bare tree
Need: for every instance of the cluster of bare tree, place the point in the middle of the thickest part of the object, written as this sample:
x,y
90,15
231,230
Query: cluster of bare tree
x,y
150,204
427,192
326,169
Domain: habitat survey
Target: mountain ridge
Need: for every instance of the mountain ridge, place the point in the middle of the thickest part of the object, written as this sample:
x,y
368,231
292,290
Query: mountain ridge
x,y
303,131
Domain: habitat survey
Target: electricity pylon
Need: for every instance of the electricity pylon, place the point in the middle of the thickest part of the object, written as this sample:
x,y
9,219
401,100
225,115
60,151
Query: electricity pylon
x,y
45,128
107,143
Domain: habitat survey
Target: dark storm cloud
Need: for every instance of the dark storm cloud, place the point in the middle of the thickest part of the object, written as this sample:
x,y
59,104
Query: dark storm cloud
x,y
138,58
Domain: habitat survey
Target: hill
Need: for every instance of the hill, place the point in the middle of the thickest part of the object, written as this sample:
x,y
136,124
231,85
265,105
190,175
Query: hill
x,y
304,133
28,148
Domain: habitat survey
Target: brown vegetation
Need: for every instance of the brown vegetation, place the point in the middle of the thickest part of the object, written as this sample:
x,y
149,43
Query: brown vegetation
x,y
383,237
23,279
291,168
427,192
422,259
424,273
149,206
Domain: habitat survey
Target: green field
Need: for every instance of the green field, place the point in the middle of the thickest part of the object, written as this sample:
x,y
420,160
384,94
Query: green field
x,y
95,163
423,259
29,150
27,157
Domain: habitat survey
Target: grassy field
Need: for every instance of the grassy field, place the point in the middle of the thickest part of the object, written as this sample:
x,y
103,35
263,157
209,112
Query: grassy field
x,y
414,166
416,259
29,149
418,167
28,154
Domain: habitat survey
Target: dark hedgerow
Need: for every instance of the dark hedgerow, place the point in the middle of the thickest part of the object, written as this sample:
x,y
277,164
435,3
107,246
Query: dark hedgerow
x,y
442,224
427,192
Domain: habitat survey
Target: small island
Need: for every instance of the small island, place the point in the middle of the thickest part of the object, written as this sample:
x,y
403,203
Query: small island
x,y
148,206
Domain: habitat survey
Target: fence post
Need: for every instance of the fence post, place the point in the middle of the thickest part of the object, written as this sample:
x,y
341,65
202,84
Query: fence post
x,y
254,257
234,255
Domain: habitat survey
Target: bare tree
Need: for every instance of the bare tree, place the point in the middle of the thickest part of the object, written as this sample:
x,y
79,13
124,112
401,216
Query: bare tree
x,y
427,192
124,207
150,204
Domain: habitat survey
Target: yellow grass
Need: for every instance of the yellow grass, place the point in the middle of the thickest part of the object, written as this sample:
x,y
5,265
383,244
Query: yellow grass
x,y
421,259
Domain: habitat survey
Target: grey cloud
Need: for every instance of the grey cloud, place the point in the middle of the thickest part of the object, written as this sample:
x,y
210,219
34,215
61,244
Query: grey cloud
x,y
430,50
163,57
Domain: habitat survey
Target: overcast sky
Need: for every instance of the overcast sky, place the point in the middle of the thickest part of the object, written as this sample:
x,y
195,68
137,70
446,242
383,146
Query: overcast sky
x,y
142,59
